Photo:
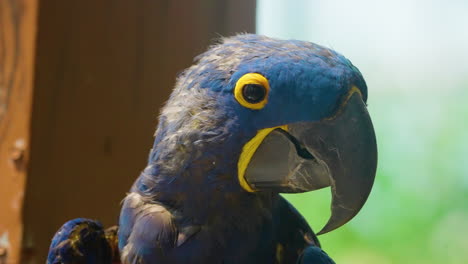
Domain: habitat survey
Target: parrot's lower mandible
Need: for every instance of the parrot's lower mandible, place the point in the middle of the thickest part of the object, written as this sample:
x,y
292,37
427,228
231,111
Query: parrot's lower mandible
x,y
252,118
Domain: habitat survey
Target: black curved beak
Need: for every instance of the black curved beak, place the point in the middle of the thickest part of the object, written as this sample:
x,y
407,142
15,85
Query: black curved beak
x,y
340,152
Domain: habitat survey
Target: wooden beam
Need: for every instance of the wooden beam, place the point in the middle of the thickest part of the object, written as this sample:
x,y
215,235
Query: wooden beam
x,y
17,38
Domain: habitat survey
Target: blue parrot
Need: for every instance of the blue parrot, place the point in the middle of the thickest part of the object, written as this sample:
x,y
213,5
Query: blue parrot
x,y
252,118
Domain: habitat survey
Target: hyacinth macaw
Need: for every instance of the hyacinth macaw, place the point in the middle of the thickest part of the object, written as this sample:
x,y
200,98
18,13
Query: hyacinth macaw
x,y
252,118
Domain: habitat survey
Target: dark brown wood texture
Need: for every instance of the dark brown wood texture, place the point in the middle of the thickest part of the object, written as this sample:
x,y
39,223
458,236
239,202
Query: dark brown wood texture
x,y
17,33
103,69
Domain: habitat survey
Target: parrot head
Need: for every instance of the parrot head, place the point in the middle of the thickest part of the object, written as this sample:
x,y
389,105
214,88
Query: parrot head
x,y
283,116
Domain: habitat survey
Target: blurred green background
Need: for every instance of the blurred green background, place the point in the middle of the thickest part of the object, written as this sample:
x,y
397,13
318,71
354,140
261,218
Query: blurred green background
x,y
414,56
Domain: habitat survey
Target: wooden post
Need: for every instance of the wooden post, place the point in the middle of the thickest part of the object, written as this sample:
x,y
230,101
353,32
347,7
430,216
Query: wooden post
x,y
102,71
17,37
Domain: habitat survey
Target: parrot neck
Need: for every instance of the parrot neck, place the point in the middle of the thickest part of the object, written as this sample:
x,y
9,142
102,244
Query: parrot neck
x,y
203,187
195,170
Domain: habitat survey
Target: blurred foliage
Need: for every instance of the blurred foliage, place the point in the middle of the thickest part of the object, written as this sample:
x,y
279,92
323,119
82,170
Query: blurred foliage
x,y
418,209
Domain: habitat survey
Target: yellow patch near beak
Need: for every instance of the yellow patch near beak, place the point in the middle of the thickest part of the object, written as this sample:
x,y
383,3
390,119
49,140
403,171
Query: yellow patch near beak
x,y
248,151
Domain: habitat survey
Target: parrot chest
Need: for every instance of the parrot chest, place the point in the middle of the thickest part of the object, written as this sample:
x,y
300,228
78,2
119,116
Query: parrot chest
x,y
230,243
236,234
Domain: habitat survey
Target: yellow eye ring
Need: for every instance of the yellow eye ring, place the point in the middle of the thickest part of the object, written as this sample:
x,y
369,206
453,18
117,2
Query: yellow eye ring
x,y
252,90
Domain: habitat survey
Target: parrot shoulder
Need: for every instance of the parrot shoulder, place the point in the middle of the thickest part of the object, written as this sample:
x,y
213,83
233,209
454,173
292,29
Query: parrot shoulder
x,y
148,230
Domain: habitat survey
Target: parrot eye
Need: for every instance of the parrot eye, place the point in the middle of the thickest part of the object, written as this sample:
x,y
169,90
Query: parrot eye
x,y
251,91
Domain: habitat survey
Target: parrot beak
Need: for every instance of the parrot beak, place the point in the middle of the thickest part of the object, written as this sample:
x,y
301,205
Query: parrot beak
x,y
340,152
